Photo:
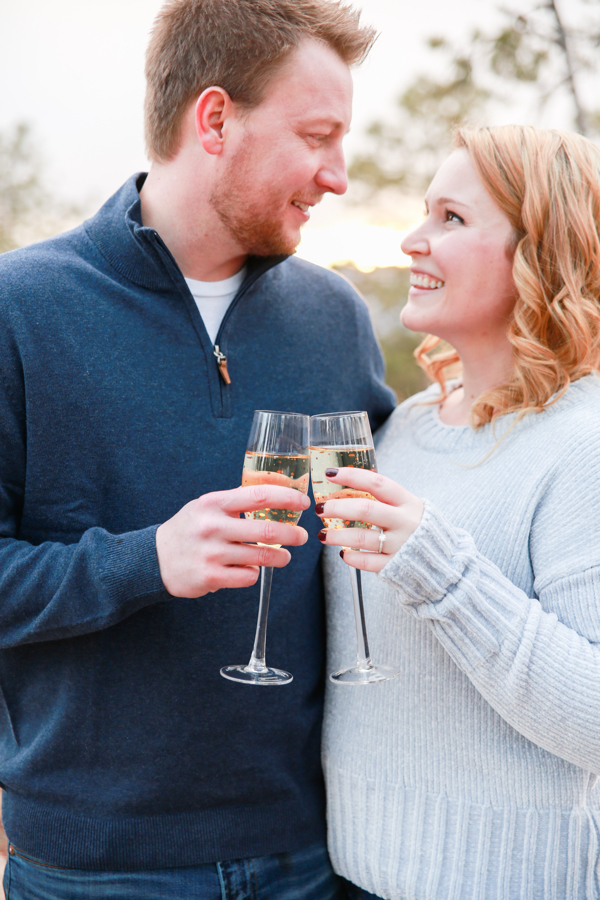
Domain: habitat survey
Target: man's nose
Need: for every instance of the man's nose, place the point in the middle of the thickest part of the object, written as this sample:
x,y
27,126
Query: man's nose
x,y
332,175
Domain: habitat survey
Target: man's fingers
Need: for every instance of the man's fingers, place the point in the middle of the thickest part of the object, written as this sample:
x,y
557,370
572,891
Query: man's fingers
x,y
249,555
235,577
259,496
259,531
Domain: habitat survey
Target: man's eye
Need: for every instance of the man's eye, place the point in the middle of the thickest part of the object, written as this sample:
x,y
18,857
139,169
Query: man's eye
x,y
453,217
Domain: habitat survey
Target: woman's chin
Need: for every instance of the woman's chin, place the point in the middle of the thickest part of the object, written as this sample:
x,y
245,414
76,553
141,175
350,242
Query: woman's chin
x,y
414,320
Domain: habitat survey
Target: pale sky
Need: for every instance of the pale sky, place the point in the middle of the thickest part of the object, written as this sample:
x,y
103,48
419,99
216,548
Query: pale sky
x,y
73,69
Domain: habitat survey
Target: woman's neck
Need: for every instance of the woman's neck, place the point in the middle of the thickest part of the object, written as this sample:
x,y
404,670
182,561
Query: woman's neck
x,y
479,374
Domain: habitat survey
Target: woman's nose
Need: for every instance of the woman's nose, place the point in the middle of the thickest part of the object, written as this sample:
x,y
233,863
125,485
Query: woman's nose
x,y
415,241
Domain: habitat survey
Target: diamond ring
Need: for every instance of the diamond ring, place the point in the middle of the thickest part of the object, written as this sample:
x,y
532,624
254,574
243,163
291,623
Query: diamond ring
x,y
382,540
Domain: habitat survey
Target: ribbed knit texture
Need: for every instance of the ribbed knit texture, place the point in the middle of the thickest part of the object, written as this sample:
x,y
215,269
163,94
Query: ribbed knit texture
x,y
473,774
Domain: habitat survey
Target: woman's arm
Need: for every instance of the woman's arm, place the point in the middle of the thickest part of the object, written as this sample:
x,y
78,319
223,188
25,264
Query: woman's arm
x,y
540,675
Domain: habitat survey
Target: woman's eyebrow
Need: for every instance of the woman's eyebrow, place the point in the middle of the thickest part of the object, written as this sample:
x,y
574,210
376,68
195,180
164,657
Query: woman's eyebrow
x,y
451,201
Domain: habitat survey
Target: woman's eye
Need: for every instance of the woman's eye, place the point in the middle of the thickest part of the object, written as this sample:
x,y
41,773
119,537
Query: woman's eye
x,y
453,217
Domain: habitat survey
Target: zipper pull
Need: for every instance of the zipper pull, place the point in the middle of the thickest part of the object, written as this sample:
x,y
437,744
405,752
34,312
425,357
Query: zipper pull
x,y
222,364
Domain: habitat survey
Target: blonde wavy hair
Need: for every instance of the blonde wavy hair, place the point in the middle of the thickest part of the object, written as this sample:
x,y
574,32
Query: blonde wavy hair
x,y
548,184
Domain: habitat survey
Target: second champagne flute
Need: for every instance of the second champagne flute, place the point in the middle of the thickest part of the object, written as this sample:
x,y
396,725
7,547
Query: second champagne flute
x,y
342,440
277,453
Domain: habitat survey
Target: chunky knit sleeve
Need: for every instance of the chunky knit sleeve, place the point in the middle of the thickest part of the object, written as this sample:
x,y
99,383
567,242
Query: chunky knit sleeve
x,y
535,660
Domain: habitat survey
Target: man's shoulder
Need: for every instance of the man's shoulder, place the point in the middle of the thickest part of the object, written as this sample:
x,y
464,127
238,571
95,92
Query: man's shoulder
x,y
52,263
303,276
38,263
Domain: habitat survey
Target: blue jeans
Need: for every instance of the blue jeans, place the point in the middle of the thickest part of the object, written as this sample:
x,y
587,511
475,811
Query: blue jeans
x,y
303,875
354,892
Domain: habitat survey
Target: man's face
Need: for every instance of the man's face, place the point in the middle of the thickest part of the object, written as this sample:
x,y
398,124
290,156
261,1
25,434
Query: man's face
x,y
287,152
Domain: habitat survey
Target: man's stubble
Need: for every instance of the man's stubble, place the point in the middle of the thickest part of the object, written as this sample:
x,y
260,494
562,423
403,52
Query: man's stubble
x,y
249,207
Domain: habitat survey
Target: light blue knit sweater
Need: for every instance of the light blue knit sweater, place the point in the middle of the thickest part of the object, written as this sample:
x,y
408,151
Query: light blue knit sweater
x,y
474,774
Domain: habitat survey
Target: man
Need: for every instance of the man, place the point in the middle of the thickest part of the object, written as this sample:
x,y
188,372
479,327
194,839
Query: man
x,y
133,352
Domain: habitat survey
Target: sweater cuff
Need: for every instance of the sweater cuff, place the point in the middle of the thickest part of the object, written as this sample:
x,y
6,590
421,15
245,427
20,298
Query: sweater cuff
x,y
132,575
439,576
430,562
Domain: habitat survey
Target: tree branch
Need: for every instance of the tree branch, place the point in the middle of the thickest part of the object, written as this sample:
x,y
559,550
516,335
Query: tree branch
x,y
564,44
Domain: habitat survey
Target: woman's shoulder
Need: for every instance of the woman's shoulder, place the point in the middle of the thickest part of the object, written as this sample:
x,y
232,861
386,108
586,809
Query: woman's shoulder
x,y
575,416
571,422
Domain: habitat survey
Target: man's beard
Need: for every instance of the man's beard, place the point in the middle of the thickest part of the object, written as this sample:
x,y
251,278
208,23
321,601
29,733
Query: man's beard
x,y
254,219
254,230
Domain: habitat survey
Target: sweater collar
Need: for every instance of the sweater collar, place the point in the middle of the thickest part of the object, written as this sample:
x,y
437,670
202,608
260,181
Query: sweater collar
x,y
136,251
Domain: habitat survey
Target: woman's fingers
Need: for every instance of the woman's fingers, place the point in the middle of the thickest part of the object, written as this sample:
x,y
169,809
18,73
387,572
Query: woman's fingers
x,y
371,511
395,511
361,539
382,488
367,562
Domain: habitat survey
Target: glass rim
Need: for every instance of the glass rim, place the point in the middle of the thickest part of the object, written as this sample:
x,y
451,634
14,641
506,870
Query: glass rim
x,y
277,412
337,415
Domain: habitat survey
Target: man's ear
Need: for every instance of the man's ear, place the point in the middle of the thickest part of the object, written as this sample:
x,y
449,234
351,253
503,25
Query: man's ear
x,y
213,108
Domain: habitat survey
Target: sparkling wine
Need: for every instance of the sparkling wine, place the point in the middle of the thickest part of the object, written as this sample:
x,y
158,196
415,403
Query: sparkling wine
x,y
339,457
285,471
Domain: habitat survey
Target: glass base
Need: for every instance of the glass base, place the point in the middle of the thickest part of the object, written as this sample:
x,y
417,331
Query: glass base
x,y
364,674
265,675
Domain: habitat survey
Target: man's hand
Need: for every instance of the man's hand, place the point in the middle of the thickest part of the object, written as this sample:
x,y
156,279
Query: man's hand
x,y
206,546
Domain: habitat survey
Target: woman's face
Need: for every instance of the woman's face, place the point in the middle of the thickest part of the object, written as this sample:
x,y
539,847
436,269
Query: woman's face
x,y
462,288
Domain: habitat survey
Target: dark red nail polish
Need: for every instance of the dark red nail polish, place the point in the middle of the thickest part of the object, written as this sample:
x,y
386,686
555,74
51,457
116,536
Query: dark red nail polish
x,y
322,535
342,553
319,507
329,473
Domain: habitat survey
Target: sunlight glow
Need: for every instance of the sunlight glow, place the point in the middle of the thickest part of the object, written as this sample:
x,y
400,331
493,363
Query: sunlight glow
x,y
368,247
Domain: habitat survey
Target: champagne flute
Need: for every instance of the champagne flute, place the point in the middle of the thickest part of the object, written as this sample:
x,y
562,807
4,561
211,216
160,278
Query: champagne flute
x,y
277,453
336,441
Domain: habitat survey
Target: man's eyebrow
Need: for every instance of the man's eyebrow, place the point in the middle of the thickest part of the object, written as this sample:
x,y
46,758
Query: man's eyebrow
x,y
309,122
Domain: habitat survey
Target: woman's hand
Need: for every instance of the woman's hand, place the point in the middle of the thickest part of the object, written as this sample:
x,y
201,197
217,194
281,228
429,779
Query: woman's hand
x,y
394,511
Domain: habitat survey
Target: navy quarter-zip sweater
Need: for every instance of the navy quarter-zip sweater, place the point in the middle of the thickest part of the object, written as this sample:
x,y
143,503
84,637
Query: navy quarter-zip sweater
x,y
121,747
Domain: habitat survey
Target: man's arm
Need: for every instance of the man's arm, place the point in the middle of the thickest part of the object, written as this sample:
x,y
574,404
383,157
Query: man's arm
x,y
54,591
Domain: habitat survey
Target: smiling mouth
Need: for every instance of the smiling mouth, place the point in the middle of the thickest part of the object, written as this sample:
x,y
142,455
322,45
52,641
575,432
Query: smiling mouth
x,y
303,206
425,282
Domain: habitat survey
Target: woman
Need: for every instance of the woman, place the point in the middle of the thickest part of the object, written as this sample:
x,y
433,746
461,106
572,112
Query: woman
x,y
474,773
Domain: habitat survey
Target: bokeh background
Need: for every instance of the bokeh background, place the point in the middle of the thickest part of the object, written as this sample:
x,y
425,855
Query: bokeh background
x,y
71,119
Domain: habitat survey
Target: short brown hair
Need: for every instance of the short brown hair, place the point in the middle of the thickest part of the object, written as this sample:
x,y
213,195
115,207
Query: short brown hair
x,y
236,45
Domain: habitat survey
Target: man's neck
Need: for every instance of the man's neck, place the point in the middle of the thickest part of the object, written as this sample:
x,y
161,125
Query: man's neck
x,y
189,226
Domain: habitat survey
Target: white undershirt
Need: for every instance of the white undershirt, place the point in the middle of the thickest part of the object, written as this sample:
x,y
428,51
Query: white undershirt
x,y
213,299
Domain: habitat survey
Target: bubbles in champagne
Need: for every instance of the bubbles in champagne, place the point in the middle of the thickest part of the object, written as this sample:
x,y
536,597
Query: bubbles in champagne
x,y
283,471
323,458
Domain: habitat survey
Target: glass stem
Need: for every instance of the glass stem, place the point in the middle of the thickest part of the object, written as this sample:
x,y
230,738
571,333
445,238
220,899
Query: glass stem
x,y
363,657
257,660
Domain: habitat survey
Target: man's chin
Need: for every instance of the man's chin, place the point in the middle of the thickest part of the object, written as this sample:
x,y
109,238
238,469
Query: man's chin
x,y
275,245
259,235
